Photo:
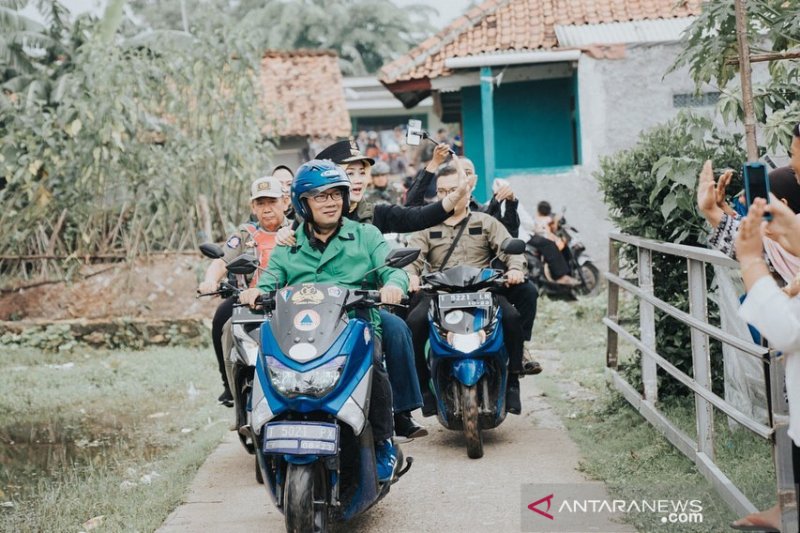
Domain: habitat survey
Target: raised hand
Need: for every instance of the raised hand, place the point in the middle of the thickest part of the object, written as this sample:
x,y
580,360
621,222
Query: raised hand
x,y
784,228
707,191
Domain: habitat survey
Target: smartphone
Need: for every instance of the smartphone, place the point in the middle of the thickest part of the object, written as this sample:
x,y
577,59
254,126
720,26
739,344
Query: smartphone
x,y
414,132
756,183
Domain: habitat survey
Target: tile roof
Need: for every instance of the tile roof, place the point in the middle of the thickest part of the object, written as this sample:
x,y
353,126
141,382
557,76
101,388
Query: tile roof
x,y
302,94
516,25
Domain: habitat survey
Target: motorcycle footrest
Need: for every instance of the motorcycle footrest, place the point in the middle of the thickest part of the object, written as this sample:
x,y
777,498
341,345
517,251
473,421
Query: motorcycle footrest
x,y
401,473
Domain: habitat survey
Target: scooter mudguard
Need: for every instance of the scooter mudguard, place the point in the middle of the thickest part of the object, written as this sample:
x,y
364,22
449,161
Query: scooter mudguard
x,y
468,371
368,489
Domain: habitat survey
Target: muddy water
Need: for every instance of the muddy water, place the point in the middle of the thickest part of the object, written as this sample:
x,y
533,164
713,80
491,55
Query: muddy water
x,y
32,454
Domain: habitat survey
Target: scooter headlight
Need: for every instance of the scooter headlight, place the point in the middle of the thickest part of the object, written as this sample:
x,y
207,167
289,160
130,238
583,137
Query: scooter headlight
x,y
466,342
317,382
246,343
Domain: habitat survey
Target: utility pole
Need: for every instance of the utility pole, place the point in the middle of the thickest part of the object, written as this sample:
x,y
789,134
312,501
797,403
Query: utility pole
x,y
184,18
745,72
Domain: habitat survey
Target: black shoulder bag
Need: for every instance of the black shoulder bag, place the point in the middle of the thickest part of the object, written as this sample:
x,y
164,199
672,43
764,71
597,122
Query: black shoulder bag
x,y
455,242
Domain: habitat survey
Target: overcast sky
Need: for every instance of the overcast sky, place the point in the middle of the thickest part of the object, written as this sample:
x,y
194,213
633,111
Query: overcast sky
x,y
448,9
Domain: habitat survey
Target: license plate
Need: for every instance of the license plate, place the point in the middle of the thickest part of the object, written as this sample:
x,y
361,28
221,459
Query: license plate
x,y
466,299
301,438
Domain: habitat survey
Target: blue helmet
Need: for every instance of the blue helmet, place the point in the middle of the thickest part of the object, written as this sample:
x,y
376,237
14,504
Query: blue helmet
x,y
315,177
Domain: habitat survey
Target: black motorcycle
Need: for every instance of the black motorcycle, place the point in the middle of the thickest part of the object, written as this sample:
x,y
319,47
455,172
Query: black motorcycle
x,y
580,265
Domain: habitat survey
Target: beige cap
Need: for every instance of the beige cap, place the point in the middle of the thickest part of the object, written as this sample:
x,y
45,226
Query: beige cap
x,y
267,186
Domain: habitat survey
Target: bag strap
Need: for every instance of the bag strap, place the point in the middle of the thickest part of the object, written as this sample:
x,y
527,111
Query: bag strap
x,y
455,242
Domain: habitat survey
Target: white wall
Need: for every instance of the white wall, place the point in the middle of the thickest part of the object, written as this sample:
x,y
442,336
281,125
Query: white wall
x,y
620,98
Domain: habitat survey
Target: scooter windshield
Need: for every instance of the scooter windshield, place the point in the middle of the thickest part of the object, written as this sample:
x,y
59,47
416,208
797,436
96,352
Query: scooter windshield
x,y
460,277
308,314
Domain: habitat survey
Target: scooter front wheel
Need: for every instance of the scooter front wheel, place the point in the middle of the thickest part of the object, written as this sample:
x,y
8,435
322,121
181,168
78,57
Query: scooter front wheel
x,y
305,499
472,427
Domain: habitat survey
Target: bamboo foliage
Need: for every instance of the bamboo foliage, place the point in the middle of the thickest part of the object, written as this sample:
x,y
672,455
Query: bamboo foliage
x,y
138,135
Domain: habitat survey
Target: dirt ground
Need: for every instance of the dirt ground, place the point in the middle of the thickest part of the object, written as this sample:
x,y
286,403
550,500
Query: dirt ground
x,y
156,287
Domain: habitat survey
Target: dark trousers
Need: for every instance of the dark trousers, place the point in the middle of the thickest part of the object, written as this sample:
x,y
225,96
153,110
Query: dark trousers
x,y
514,324
523,297
222,315
551,254
796,466
399,353
380,404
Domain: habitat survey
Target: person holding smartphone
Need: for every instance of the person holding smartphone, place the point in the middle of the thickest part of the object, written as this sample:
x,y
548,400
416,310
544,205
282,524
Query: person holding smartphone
x,y
777,317
725,221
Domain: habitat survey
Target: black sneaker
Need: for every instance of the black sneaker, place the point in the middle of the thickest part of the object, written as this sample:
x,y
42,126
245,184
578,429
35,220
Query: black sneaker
x,y
406,426
530,366
226,398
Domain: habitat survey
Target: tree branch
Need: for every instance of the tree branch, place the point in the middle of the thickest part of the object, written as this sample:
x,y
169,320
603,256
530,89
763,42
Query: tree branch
x,y
771,56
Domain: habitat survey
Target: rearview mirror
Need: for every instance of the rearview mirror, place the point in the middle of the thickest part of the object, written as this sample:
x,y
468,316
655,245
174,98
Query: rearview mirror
x,y
244,264
212,251
400,257
513,246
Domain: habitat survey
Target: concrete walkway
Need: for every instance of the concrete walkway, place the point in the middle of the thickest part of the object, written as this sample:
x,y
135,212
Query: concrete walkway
x,y
443,491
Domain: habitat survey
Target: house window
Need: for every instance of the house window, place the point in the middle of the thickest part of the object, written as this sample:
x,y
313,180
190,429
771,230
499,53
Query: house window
x,y
695,100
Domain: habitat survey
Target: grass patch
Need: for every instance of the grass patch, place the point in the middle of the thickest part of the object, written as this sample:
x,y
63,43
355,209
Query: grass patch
x,y
98,433
619,446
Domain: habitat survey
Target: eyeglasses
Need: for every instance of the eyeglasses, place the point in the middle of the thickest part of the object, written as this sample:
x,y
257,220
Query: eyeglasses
x,y
445,192
335,195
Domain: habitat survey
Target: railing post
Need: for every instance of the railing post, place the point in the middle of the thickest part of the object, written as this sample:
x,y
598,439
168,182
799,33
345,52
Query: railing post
x,y
701,357
612,340
782,448
647,325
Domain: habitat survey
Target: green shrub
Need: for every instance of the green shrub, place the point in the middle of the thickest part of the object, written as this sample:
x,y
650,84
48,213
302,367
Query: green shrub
x,y
650,190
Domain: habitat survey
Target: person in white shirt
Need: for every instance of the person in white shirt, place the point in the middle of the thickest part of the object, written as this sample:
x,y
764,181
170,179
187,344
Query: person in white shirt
x,y
776,315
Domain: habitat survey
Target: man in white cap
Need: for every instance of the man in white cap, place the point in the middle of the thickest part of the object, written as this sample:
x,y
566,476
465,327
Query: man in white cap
x,y
268,205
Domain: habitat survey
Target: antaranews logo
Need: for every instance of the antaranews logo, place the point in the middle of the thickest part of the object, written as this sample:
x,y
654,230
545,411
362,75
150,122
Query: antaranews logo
x,y
574,508
535,506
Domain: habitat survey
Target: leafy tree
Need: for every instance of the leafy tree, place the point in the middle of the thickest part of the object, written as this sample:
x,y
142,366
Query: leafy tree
x,y
364,33
34,57
772,26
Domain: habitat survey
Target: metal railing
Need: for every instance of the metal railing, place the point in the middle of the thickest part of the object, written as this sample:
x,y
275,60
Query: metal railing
x,y
701,450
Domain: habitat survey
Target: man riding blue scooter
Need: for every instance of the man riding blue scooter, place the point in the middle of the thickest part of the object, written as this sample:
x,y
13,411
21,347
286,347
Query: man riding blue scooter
x,y
471,239
333,249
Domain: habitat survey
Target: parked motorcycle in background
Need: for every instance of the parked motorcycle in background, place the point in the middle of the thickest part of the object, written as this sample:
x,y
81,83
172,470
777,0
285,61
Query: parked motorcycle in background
x,y
580,264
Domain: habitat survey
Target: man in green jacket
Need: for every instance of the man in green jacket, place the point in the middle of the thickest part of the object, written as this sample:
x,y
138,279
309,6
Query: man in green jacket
x,y
333,249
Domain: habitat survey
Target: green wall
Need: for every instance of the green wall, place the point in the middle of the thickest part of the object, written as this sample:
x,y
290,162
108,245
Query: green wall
x,y
533,123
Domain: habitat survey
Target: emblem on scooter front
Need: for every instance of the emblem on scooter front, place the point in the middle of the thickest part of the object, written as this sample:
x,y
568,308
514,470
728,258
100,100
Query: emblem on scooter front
x,y
308,294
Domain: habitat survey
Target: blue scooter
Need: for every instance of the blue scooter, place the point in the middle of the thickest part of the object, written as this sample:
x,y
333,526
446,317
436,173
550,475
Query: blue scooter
x,y
465,352
309,405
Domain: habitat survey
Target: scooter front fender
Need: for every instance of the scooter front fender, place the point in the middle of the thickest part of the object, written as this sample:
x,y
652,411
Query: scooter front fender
x,y
469,371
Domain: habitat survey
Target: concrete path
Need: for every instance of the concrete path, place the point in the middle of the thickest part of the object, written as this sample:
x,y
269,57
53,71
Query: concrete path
x,y
443,491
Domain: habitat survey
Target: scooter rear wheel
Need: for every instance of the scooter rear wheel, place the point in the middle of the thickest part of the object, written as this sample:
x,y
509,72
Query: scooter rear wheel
x,y
472,428
590,279
305,506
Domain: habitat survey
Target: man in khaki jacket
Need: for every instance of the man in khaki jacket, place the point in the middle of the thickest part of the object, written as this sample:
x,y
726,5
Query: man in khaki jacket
x,y
479,243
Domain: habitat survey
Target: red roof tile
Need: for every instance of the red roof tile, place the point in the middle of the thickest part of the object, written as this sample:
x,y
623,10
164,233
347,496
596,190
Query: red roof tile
x,y
302,94
503,25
